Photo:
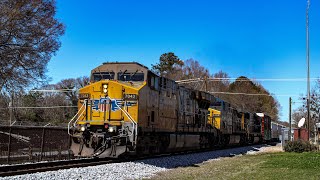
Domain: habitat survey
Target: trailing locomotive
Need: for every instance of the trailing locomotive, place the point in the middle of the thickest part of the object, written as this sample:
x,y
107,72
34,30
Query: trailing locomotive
x,y
127,109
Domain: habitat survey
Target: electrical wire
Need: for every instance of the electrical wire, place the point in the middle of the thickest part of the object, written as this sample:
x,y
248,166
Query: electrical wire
x,y
251,94
43,107
53,90
244,79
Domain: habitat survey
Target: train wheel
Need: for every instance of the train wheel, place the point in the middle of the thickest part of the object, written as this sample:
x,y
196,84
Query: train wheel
x,y
225,140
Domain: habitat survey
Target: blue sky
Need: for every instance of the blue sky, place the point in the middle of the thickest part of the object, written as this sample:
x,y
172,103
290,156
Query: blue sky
x,y
257,39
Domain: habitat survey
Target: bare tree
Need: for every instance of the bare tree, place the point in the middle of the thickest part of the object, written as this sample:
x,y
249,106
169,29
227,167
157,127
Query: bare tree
x,y
193,69
301,111
220,83
73,85
29,35
82,81
297,114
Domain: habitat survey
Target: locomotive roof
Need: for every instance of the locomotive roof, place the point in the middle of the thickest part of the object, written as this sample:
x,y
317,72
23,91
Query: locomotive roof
x,y
120,66
128,63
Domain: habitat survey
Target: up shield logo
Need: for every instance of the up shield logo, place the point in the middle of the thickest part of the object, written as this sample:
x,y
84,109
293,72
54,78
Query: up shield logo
x,y
105,104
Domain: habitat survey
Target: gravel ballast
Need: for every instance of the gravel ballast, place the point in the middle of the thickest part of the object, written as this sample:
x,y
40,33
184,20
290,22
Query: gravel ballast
x,y
143,168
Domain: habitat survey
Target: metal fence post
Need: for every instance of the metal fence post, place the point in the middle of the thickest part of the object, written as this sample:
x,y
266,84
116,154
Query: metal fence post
x,y
9,146
60,152
69,145
42,142
30,153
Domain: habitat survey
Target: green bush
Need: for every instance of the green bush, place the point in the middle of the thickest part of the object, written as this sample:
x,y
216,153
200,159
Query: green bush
x,y
299,146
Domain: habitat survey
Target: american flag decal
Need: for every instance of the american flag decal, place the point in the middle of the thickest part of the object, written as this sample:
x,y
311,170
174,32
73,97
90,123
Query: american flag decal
x,y
104,104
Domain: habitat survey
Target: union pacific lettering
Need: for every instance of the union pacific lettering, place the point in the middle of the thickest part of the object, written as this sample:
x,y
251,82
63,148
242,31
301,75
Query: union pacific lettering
x,y
103,104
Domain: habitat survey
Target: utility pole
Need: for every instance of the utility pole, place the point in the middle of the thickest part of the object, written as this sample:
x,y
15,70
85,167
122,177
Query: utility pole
x,y
308,68
290,102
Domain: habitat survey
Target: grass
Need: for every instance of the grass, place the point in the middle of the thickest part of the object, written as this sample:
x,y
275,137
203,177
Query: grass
x,y
261,166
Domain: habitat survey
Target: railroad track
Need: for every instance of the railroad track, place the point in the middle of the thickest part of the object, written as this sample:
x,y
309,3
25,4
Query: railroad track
x,y
18,169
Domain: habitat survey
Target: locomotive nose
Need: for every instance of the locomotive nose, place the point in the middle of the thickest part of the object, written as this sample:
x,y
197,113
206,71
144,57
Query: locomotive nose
x,y
106,122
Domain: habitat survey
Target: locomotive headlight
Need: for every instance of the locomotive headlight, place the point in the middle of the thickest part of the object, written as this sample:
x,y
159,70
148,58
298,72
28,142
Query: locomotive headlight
x,y
105,88
111,129
82,128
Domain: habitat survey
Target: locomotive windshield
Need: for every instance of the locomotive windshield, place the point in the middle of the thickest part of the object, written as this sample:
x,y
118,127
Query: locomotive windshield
x,y
127,76
103,75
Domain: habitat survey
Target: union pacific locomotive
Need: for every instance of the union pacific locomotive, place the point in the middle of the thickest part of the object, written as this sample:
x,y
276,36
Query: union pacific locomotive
x,y
129,110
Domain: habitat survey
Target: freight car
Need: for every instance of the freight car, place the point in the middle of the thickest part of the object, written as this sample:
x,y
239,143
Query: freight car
x,y
276,131
128,109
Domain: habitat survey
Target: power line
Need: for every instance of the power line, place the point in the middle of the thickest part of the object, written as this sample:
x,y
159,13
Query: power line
x,y
53,90
41,107
247,94
252,94
244,79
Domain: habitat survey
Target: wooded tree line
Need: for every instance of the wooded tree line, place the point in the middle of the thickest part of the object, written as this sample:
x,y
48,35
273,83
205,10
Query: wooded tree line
x,y
46,105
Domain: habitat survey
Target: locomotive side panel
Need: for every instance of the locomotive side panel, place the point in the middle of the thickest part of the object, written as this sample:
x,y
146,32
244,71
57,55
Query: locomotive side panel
x,y
153,110
186,112
143,122
168,105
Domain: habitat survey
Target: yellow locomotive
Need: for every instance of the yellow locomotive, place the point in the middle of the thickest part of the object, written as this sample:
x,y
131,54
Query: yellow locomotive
x,y
127,109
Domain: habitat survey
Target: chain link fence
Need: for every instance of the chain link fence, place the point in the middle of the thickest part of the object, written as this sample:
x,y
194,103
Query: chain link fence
x,y
30,123
20,144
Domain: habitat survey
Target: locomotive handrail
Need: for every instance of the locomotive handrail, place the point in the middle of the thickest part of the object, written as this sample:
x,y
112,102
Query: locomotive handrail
x,y
135,127
74,124
135,124
72,119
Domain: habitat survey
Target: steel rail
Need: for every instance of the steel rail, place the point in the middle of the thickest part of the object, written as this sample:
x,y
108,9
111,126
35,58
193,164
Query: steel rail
x,y
19,169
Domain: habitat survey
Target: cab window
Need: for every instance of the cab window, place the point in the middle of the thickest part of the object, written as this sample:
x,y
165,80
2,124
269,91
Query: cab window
x,y
130,76
153,81
156,83
103,76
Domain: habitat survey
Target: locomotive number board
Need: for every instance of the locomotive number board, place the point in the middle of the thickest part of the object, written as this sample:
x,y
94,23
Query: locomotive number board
x,y
84,96
130,97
